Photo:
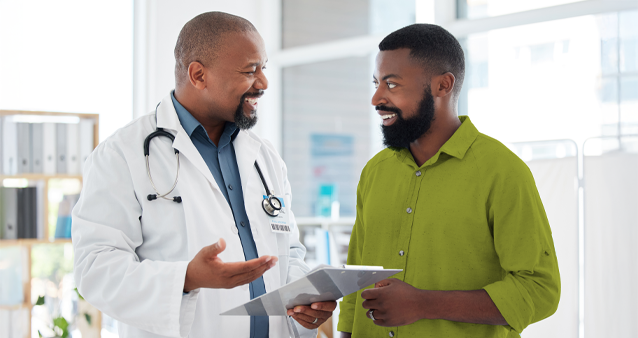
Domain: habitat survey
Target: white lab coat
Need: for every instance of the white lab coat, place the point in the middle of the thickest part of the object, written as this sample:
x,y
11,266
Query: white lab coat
x,y
131,254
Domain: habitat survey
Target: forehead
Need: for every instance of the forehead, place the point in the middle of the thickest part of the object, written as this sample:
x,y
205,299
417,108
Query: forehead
x,y
241,49
397,62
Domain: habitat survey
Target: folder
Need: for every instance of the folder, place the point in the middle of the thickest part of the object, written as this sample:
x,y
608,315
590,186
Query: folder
x,y
37,145
86,140
9,146
48,148
73,149
324,283
24,148
1,157
10,208
60,148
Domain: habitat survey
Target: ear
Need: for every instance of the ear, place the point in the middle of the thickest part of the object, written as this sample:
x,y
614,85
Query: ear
x,y
443,85
197,75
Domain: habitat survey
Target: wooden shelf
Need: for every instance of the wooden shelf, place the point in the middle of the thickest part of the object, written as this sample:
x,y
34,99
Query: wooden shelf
x,y
51,117
40,177
31,241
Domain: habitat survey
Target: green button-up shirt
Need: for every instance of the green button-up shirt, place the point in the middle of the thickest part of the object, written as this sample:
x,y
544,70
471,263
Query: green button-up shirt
x,y
469,218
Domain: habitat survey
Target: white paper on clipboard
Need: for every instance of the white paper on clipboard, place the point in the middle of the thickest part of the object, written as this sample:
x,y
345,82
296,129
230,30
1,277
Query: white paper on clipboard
x,y
324,283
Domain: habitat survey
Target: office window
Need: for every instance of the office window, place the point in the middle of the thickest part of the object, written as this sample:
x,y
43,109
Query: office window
x,y
68,56
476,9
573,78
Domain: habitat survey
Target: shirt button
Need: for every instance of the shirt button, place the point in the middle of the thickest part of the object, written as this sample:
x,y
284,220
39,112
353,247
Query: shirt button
x,y
401,253
242,223
409,210
418,173
391,334
230,186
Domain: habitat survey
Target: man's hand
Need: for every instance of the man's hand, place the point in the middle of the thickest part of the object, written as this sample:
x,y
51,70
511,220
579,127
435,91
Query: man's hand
x,y
207,270
393,303
314,315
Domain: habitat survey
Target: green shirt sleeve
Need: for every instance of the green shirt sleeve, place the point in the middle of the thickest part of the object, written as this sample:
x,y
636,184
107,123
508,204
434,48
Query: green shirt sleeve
x,y
347,305
530,288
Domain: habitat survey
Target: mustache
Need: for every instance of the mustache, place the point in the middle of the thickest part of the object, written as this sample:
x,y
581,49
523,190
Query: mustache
x,y
390,109
252,95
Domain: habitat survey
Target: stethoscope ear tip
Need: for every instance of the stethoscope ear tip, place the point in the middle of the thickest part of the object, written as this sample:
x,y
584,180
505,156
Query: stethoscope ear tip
x,y
151,197
177,199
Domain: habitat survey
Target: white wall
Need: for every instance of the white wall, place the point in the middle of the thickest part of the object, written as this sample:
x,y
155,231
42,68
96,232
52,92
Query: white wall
x,y
157,25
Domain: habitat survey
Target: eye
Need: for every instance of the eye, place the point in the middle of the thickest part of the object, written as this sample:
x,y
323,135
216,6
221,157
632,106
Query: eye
x,y
376,84
391,85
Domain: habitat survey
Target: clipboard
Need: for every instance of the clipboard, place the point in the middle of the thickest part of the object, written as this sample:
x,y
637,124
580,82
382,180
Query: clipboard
x,y
324,283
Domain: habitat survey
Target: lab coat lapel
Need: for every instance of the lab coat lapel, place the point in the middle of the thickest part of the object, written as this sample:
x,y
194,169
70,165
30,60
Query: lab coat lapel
x,y
246,151
167,119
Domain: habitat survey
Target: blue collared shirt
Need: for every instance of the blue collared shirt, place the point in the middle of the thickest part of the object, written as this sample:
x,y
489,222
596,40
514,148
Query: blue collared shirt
x,y
222,163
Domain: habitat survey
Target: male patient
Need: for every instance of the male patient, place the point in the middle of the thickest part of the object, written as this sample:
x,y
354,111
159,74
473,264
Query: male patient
x,y
453,208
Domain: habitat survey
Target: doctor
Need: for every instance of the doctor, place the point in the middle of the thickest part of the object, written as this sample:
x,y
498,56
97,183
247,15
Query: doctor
x,y
163,262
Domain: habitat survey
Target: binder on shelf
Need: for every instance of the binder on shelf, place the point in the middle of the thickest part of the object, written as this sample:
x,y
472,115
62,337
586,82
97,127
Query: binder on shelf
x,y
37,148
60,141
10,212
48,148
27,212
24,148
73,149
324,283
86,140
9,146
1,157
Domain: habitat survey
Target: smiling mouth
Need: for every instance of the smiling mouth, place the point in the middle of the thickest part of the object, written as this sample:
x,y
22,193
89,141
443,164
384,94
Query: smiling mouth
x,y
388,116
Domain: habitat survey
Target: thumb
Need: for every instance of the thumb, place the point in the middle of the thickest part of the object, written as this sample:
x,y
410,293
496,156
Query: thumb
x,y
217,248
383,283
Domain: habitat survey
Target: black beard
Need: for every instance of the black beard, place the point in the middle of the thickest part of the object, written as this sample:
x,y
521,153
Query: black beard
x,y
242,121
405,131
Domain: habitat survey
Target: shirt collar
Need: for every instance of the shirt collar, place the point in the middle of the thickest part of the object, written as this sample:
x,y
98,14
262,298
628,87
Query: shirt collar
x,y
456,146
190,124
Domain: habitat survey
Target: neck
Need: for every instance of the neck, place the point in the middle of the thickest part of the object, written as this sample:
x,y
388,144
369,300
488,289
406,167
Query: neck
x,y
441,130
213,125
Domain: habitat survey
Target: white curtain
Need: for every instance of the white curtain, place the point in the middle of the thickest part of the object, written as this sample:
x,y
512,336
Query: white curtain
x,y
556,180
611,255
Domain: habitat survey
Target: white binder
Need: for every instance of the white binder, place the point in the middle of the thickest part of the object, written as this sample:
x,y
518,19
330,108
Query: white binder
x,y
86,140
24,148
37,144
1,155
48,148
10,213
73,149
60,148
9,146
324,283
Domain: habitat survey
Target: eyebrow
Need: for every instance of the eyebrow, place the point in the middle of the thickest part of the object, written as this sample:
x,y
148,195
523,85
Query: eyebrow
x,y
388,77
255,64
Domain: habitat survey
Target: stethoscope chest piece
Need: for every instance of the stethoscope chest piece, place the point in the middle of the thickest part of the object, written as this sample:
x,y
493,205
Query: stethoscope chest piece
x,y
271,205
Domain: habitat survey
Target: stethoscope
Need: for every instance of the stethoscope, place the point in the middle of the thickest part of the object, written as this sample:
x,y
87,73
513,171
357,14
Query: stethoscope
x,y
270,203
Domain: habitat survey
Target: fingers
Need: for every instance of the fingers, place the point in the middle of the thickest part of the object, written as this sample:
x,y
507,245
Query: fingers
x,y
371,304
250,276
306,310
239,268
324,306
383,283
307,321
216,248
370,293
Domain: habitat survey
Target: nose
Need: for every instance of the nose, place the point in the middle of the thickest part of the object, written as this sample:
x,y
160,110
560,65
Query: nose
x,y
378,97
261,82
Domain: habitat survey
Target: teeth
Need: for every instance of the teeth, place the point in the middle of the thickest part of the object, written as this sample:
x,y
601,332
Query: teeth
x,y
389,116
251,100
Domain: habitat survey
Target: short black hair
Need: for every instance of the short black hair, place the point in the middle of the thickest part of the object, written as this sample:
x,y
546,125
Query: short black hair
x,y
201,38
435,48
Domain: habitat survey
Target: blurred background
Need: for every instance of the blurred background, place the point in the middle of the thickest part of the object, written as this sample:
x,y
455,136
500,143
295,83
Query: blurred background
x,y
555,80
